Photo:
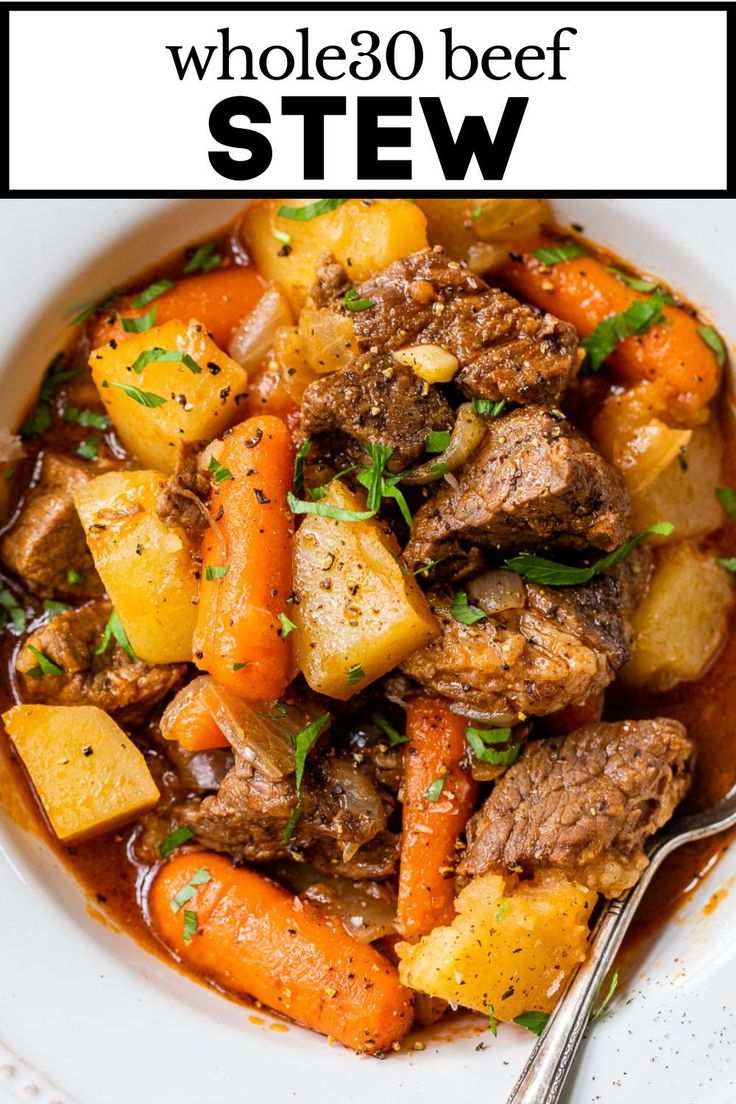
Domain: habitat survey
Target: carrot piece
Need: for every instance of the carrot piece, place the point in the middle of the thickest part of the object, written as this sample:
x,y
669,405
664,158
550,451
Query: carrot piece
x,y
246,571
219,299
431,829
252,937
188,719
582,291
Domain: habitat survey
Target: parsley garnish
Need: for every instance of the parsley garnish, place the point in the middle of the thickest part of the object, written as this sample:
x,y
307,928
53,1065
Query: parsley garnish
x,y
40,419
504,908
9,608
293,820
353,301
303,742
636,283
114,629
532,1021
426,566
434,789
714,341
216,571
311,210
546,572
173,840
87,418
36,422
203,259
287,626
729,562
191,925
240,666
394,738
324,509
492,1021
44,665
476,212
220,473
89,449
612,986
355,674
282,236
463,612
727,499
302,453
200,877
480,738
487,406
94,307
165,356
54,608
74,577
152,292
437,441
380,485
145,398
608,334
554,254
140,323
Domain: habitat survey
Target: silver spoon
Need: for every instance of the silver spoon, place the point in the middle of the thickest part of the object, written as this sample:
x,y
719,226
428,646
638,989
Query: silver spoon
x,y
548,1066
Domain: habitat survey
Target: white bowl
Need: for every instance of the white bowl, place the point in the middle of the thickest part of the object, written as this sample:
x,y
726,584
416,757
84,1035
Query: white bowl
x,y
108,1023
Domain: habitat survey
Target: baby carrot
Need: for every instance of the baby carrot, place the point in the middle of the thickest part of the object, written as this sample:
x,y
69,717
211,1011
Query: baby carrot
x,y
252,937
246,566
584,292
439,796
188,718
219,299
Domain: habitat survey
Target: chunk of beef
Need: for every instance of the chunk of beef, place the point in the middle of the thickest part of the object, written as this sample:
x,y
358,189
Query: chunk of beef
x,y
376,401
180,498
584,804
125,687
331,283
534,481
505,349
342,816
46,542
560,646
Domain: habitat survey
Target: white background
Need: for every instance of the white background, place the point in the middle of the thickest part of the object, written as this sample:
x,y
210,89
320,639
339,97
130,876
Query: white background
x,y
96,104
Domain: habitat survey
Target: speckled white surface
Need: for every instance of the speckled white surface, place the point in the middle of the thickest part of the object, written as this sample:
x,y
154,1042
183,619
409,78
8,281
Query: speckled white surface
x,y
109,1024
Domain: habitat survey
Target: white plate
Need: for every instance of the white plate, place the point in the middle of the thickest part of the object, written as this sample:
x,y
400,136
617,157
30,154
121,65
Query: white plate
x,y
108,1023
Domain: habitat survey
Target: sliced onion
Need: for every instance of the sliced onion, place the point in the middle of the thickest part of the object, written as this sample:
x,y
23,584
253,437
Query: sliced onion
x,y
253,339
467,434
484,716
367,909
328,340
356,794
497,590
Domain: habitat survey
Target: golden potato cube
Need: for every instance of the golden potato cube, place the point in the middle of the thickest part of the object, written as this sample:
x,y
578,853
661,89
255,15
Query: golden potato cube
x,y
200,394
684,493
509,952
363,238
681,622
89,777
148,568
358,615
481,231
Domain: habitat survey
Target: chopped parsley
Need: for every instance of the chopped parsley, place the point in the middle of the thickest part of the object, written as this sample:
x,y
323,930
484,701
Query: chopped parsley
x,y
481,741
302,453
11,610
87,418
463,612
434,790
608,334
727,498
53,608
612,987
380,485
40,419
152,292
145,398
293,820
324,509
165,356
395,739
302,742
173,840
200,877
487,406
546,572
73,577
715,342
37,421
44,665
282,236
355,674
220,474
191,925
287,626
426,566
502,910
216,571
203,258
636,283
532,1021
437,441
89,448
492,1021
88,311
729,562
353,301
310,210
114,630
476,212
240,666
138,324
555,254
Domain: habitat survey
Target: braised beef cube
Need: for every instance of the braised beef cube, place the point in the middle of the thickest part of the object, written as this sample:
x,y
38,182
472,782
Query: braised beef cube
x,y
584,804
46,546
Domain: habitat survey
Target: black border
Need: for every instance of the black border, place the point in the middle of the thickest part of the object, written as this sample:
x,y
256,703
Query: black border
x,y
689,148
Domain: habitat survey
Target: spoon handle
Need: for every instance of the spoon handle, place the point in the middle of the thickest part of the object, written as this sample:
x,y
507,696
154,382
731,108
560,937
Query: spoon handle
x,y
548,1066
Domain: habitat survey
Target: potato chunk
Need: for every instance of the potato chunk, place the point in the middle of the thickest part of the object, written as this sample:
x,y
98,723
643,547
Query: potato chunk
x,y
684,492
481,231
680,624
147,567
89,777
363,237
512,952
200,395
357,615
